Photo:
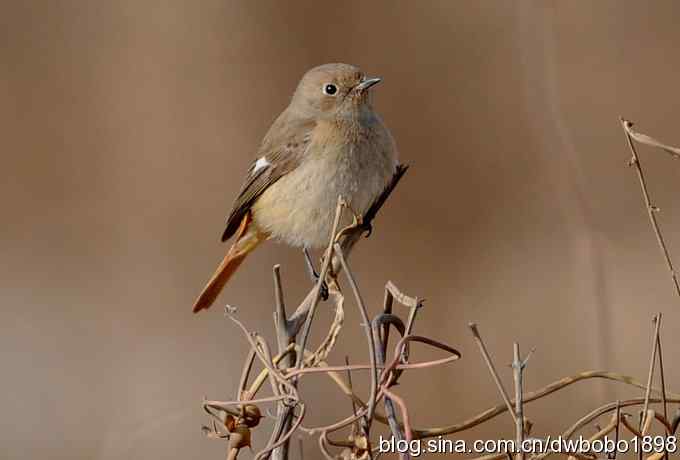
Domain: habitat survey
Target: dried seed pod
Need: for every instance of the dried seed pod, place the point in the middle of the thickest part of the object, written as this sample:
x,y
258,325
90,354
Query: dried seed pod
x,y
361,455
361,442
346,454
251,415
230,423
239,437
361,447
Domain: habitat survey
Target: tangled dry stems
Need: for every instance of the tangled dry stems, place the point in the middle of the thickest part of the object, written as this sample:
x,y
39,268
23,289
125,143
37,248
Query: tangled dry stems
x,y
236,420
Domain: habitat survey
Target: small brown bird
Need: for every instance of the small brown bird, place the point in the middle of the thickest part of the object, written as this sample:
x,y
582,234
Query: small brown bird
x,y
327,143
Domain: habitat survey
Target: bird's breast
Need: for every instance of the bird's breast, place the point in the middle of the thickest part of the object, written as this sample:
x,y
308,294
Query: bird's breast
x,y
299,208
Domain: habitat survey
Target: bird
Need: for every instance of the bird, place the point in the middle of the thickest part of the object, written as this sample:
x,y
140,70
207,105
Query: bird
x,y
328,143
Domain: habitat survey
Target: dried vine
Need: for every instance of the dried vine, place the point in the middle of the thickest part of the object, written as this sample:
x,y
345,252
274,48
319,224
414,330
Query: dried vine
x,y
237,420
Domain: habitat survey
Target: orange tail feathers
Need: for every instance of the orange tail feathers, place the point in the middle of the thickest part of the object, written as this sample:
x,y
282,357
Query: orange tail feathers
x,y
248,238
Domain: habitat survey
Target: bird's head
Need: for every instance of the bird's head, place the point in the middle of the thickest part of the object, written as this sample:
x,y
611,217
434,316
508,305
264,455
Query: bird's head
x,y
334,90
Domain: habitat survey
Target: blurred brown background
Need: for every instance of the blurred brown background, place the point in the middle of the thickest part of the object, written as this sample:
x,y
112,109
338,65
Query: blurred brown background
x,y
126,130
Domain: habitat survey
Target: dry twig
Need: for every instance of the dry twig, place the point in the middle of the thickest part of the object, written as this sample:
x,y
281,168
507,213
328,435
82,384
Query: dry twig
x,y
651,208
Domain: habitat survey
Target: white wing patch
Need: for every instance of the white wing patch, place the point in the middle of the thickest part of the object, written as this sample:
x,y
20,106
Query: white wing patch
x,y
261,163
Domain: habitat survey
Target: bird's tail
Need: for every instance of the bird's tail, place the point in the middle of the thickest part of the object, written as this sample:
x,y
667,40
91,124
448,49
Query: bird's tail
x,y
247,239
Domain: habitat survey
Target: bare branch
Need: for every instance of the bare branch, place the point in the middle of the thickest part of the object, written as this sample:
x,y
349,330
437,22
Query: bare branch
x,y
648,140
652,362
651,209
517,370
369,335
492,369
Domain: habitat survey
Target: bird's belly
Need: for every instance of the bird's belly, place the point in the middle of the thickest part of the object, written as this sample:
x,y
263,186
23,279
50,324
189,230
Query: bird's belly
x,y
299,208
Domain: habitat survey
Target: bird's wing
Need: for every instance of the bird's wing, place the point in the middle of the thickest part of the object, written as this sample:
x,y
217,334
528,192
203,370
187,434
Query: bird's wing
x,y
281,152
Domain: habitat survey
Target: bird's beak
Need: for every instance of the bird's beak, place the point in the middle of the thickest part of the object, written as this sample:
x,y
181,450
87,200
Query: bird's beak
x,y
364,85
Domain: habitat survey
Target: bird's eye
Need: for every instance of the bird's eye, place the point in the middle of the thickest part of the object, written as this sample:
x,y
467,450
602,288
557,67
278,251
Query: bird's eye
x,y
330,89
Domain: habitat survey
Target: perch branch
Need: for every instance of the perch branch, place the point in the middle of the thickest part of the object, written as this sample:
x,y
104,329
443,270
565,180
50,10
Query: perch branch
x,y
369,335
316,292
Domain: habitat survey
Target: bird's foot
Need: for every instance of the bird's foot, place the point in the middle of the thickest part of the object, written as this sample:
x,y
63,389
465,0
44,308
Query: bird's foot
x,y
314,275
357,221
368,227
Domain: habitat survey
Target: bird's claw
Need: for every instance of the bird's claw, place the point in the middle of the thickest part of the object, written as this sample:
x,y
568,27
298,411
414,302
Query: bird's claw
x,y
357,219
324,290
357,222
314,275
